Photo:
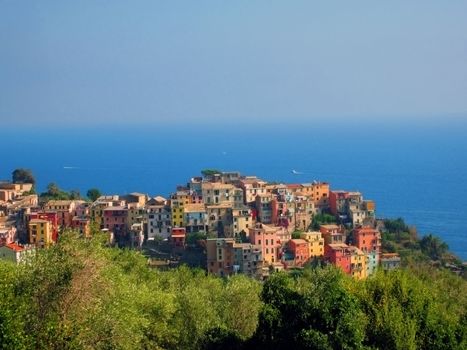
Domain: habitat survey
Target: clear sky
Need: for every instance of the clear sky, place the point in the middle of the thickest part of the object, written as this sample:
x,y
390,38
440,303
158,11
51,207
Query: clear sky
x,y
161,62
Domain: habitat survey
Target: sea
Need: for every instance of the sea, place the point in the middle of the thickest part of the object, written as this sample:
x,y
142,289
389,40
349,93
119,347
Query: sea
x,y
414,170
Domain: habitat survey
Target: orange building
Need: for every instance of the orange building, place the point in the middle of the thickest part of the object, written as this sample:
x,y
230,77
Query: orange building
x,y
300,250
367,239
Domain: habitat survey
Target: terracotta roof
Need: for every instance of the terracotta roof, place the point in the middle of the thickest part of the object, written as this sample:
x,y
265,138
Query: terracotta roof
x,y
294,185
15,247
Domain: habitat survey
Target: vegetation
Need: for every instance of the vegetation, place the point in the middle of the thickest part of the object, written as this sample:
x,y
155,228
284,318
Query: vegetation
x,y
210,172
296,234
79,294
23,176
400,238
55,193
322,219
93,194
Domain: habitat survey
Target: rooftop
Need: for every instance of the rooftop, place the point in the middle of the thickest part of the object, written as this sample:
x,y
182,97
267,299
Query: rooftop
x,y
15,247
194,208
299,241
116,208
37,221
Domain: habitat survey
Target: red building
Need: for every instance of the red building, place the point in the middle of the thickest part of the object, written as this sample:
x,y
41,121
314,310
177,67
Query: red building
x,y
177,237
338,255
300,250
50,216
115,219
367,239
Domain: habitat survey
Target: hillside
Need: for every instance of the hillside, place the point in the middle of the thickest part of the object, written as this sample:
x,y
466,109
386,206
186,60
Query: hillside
x,y
79,294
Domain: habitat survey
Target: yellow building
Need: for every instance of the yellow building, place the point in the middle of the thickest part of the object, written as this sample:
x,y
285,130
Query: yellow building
x,y
40,232
357,263
316,243
177,203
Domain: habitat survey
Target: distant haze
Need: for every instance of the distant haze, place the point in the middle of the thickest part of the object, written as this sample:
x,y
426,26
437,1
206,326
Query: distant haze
x,y
161,62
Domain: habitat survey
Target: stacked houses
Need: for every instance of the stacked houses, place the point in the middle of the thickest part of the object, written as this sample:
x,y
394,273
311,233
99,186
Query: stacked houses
x,y
253,226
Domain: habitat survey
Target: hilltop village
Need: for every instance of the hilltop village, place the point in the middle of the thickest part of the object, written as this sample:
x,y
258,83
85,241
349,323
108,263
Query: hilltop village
x,y
242,224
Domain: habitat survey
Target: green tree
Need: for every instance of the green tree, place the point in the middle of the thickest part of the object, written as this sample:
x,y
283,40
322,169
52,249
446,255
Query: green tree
x,y
53,190
296,234
210,172
93,194
23,176
74,194
302,312
396,226
433,247
321,219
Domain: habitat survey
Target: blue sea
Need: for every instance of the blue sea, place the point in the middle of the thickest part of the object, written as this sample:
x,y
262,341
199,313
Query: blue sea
x,y
412,170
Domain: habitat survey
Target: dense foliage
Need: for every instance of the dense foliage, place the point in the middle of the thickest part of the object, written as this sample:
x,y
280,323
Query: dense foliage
x,y
56,193
399,238
322,219
210,172
93,194
80,294
23,176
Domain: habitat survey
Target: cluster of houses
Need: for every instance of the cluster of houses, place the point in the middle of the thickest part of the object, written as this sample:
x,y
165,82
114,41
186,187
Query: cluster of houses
x,y
257,227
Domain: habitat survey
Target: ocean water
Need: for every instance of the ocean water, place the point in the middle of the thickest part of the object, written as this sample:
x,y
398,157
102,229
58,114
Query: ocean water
x,y
418,172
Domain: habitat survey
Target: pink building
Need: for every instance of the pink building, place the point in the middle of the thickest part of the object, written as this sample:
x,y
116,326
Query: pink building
x,y
115,219
266,237
339,255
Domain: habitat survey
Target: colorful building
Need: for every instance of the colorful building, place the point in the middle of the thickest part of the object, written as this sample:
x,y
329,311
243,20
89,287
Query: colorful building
x,y
195,218
217,193
332,234
357,263
267,238
40,232
225,257
220,219
82,224
242,220
159,218
65,210
178,238
315,243
116,220
50,216
15,253
339,255
367,239
390,261
263,207
251,186
300,250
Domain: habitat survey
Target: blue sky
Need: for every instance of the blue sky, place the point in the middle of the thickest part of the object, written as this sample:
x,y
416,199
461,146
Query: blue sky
x,y
210,62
